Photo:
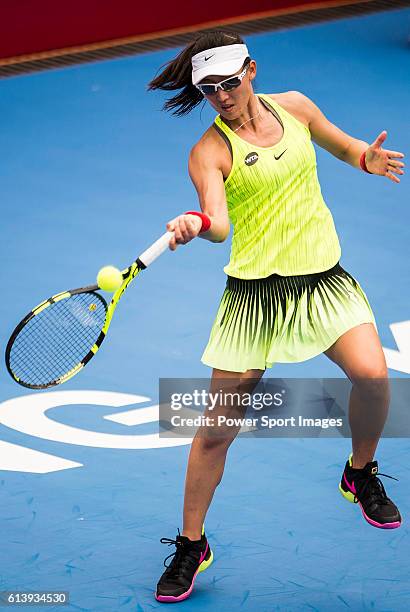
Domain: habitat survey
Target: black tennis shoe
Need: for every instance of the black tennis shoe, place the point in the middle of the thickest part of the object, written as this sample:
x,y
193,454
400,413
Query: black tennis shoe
x,y
190,558
364,487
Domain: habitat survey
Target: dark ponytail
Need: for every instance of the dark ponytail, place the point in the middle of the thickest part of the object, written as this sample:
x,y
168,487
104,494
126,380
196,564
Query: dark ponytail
x,y
177,73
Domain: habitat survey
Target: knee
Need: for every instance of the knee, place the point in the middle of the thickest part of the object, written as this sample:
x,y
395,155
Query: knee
x,y
369,372
371,380
216,444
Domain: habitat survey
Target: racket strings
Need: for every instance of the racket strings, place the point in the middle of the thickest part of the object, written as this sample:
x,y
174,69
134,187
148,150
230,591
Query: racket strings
x,y
57,339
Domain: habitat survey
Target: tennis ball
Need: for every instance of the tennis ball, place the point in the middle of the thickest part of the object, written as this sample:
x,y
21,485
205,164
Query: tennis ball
x,y
109,278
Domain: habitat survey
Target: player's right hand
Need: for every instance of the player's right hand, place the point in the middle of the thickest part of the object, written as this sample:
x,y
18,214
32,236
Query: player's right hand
x,y
185,228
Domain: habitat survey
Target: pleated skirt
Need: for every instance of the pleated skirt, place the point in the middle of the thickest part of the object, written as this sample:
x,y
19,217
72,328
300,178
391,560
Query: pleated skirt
x,y
282,319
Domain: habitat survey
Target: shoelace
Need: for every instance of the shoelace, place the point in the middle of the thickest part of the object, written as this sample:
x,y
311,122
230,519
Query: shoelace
x,y
179,562
378,490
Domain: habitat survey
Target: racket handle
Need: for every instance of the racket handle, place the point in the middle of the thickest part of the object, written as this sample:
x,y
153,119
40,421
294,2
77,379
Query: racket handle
x,y
156,249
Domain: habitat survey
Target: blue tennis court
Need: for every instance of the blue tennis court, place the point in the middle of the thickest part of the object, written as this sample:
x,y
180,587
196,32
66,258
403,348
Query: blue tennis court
x,y
91,172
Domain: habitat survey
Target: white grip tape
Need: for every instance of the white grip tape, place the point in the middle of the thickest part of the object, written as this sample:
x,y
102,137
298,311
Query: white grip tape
x,y
156,249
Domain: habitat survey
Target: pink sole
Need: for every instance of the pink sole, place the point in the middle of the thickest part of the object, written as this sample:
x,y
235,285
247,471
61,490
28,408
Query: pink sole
x,y
171,598
394,525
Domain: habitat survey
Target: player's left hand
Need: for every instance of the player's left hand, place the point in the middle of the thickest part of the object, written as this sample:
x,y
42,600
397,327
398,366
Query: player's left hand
x,y
382,161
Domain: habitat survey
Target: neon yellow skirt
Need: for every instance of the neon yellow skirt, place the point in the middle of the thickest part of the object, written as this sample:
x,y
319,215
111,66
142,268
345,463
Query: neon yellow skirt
x,y
284,319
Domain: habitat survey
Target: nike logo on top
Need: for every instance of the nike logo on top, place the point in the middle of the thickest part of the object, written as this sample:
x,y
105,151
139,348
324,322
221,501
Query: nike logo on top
x,y
209,57
279,156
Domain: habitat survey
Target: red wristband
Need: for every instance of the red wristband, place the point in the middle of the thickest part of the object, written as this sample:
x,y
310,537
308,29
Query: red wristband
x,y
363,163
206,221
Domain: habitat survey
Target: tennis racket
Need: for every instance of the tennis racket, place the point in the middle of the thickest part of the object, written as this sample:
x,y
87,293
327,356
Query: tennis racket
x,y
58,338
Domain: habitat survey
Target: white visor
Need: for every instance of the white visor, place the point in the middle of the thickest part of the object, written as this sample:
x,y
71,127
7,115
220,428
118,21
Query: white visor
x,y
221,61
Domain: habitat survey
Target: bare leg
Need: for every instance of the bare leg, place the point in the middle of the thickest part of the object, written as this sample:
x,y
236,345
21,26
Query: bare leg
x,y
360,355
208,452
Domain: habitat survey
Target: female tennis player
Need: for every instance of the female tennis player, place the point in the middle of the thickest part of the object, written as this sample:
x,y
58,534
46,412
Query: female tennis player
x,y
287,298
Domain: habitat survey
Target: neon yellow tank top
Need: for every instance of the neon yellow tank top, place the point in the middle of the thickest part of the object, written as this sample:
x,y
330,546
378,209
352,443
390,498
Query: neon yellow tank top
x,y
281,223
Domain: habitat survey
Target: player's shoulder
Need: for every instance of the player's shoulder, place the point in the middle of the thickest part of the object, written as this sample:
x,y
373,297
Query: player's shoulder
x,y
296,103
290,97
208,148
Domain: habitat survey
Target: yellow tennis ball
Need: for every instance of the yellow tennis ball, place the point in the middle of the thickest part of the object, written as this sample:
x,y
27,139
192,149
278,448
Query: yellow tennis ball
x,y
109,278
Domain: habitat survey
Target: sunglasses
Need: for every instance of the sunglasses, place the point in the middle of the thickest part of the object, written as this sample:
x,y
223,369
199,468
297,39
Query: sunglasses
x,y
210,89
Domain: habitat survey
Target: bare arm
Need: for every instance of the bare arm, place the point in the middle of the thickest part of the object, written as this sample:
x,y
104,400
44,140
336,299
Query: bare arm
x,y
345,147
207,178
